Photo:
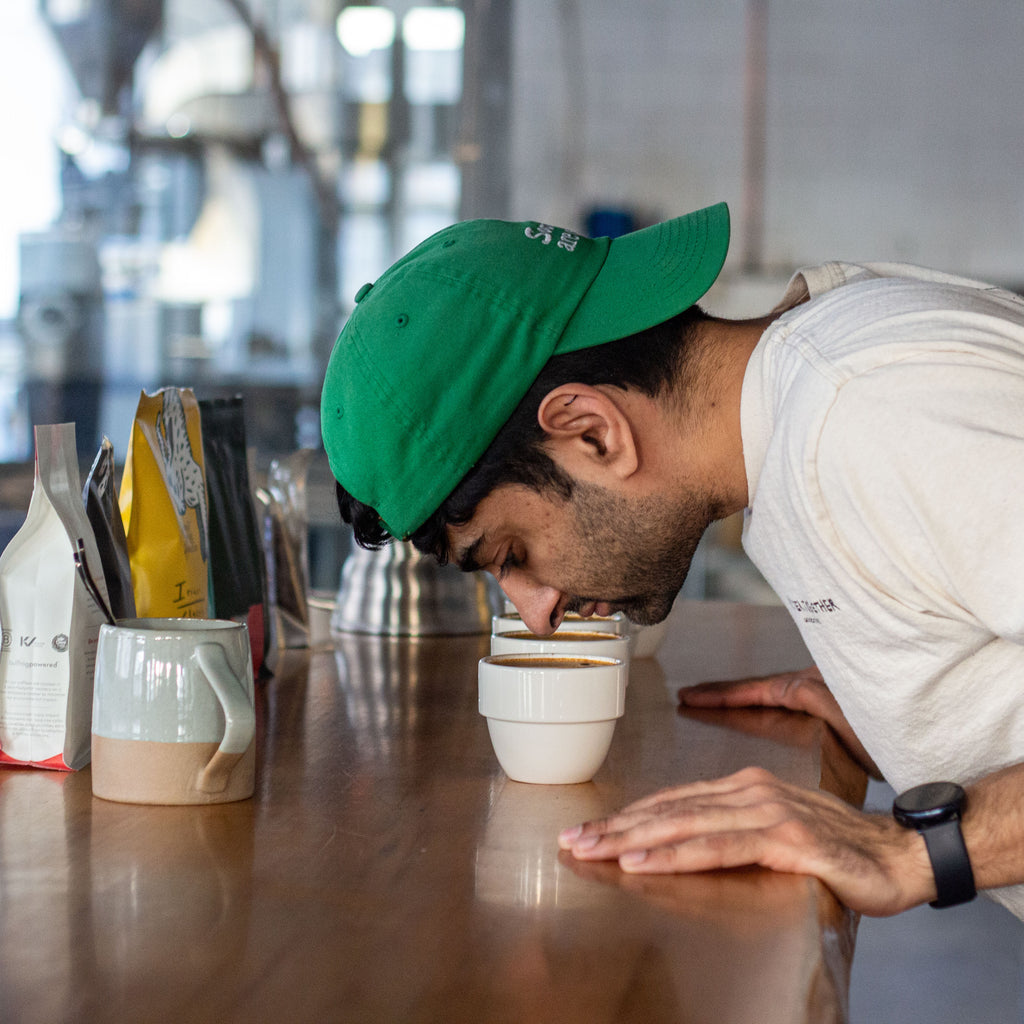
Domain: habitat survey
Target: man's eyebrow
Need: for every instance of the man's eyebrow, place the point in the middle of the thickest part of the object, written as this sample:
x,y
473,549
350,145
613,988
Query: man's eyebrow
x,y
469,559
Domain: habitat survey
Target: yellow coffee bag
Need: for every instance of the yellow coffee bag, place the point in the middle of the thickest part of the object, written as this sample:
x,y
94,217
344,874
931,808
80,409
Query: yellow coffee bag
x,y
164,508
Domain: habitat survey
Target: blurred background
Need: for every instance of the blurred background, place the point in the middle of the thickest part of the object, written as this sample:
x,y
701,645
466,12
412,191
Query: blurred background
x,y
192,191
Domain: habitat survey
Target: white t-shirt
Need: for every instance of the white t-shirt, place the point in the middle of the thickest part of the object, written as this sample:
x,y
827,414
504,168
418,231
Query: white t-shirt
x,y
883,435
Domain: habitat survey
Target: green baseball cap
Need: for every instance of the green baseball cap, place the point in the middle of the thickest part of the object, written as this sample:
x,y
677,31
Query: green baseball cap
x,y
440,350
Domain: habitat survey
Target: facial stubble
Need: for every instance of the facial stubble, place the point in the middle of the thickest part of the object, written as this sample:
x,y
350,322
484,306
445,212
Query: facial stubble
x,y
637,552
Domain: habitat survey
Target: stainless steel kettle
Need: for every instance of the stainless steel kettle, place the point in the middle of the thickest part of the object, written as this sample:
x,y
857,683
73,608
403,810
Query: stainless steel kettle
x,y
399,591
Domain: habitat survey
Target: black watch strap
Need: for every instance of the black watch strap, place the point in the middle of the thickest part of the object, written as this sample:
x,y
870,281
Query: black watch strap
x,y
954,879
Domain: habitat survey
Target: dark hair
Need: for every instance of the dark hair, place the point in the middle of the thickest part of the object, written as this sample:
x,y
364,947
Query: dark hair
x,y
652,361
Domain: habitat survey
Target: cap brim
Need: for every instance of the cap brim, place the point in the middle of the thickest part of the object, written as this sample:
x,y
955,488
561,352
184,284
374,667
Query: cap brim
x,y
649,276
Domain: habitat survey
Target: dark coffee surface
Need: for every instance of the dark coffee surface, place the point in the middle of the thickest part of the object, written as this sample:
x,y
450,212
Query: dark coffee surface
x,y
554,661
570,635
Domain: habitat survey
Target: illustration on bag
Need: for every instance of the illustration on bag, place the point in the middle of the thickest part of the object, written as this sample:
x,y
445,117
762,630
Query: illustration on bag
x,y
184,475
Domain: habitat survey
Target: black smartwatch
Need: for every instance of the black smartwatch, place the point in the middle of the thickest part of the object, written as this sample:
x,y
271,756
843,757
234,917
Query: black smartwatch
x,y
935,809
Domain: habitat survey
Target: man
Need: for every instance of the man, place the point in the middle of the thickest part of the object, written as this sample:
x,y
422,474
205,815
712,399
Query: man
x,y
558,411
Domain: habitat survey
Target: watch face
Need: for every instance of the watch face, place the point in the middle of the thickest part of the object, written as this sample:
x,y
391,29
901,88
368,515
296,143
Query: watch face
x,y
929,804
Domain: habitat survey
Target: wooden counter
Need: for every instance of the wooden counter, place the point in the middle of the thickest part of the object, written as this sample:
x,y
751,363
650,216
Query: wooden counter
x,y
387,871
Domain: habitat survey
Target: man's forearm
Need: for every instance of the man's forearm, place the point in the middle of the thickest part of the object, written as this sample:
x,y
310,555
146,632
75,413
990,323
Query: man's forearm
x,y
993,828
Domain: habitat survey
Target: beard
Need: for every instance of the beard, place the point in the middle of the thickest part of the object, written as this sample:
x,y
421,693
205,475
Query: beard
x,y
634,553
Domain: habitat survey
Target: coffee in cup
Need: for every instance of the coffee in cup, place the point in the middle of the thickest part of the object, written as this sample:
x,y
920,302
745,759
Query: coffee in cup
x,y
577,643
558,636
543,662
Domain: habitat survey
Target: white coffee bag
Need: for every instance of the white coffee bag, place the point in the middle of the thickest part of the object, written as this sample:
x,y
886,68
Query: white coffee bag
x,y
50,623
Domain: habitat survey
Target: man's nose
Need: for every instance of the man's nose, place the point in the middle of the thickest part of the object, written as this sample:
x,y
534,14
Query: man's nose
x,y
537,606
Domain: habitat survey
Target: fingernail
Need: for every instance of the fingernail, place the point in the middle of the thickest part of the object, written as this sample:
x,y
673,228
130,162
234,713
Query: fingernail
x,y
586,843
569,835
633,857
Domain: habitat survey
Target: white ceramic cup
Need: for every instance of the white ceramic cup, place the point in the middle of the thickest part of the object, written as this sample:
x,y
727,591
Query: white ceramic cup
x,y
568,642
617,623
551,718
173,712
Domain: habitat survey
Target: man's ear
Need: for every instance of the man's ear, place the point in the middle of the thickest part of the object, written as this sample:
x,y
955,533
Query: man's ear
x,y
588,433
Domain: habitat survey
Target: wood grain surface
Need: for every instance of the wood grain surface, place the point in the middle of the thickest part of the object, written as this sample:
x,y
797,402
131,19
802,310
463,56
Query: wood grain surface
x,y
387,871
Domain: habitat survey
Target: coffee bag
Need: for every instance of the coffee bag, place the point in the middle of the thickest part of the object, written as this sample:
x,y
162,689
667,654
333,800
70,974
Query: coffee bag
x,y
50,621
236,553
101,506
164,507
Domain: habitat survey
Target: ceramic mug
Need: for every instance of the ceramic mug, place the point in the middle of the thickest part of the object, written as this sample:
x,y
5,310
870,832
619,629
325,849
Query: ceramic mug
x,y
173,715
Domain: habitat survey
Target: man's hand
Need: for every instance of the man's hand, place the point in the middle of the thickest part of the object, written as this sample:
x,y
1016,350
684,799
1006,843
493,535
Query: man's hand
x,y
804,690
871,864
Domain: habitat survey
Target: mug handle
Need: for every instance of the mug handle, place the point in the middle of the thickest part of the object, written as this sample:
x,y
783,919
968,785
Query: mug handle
x,y
239,717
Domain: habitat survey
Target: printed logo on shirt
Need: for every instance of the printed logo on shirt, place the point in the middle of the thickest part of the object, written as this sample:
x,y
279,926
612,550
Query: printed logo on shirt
x,y
811,610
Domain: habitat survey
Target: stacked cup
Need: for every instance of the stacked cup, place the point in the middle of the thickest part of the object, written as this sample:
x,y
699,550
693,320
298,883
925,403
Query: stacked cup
x,y
646,640
551,702
511,620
